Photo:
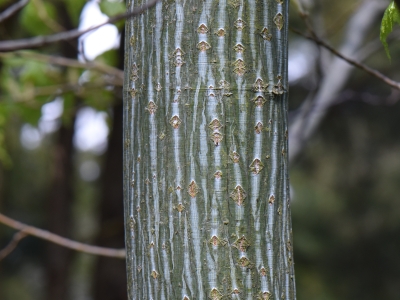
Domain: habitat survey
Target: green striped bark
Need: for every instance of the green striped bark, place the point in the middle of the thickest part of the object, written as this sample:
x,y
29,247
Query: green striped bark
x,y
205,162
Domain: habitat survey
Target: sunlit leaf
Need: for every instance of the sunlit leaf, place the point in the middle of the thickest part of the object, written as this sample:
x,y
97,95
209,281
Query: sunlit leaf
x,y
112,8
390,17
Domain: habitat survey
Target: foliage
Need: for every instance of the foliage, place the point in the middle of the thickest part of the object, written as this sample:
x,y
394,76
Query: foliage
x,y
28,83
391,16
112,8
32,21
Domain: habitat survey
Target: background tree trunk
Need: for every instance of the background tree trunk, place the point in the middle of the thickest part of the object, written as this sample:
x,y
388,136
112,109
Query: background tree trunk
x,y
110,275
110,278
205,162
58,259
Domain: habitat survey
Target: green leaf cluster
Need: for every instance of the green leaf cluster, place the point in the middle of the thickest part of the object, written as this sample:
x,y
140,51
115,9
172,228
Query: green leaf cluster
x,y
27,81
390,17
31,20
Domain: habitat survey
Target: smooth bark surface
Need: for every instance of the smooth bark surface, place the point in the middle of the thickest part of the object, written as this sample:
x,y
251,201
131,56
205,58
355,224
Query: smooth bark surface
x,y
205,151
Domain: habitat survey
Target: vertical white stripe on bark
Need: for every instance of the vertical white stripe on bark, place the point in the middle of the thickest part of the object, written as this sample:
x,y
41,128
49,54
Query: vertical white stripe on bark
x,y
268,45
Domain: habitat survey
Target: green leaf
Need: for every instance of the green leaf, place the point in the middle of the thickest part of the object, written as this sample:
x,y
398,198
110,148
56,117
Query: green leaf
x,y
29,113
31,21
111,8
5,159
390,17
74,8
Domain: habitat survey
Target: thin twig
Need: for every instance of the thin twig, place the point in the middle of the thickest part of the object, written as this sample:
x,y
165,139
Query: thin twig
x,y
12,10
12,244
68,62
357,64
39,41
314,37
56,239
77,88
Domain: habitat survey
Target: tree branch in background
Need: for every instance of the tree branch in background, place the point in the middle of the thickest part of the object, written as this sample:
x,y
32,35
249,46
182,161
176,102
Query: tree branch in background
x,y
59,89
68,62
12,244
353,62
56,239
9,12
28,95
39,41
311,112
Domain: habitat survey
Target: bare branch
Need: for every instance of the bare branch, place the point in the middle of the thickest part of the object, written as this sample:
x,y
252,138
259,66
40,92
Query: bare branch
x,y
12,10
39,41
64,242
353,62
12,244
68,62
28,95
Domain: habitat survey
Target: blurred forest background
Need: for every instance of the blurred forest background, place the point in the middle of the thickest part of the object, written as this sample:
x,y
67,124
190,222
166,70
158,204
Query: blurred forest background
x,y
61,155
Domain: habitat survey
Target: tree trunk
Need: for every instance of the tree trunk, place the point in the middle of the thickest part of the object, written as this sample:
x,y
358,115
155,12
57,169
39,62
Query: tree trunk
x,y
110,275
58,259
205,162
110,278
